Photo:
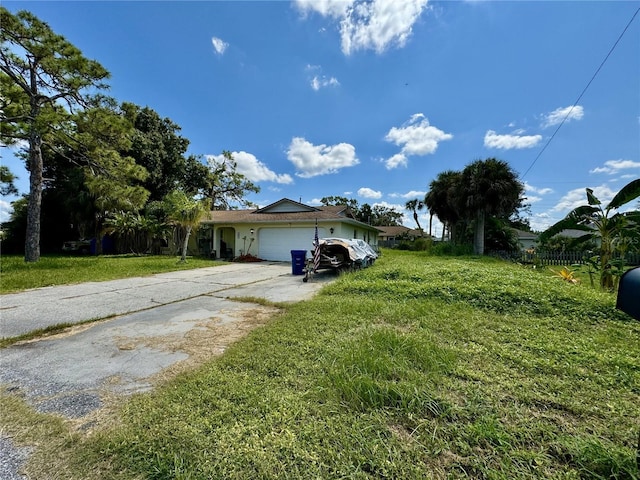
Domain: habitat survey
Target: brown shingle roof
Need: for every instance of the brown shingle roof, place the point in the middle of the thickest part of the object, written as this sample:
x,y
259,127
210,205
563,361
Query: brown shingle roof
x,y
263,215
400,231
251,216
394,230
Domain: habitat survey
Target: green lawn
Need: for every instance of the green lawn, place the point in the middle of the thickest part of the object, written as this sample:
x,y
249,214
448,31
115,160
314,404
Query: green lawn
x,y
16,274
418,367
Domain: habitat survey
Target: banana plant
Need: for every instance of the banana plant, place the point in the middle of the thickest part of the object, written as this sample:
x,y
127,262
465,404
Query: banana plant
x,y
605,224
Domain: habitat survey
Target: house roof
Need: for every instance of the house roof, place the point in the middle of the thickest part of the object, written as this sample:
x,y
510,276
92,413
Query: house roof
x,y
573,233
524,235
287,210
392,231
287,205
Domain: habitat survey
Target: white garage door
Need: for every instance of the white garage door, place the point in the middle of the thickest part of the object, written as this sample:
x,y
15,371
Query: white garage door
x,y
277,243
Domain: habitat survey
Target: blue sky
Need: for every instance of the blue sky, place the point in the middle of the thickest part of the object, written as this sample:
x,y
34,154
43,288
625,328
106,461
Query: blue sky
x,y
371,100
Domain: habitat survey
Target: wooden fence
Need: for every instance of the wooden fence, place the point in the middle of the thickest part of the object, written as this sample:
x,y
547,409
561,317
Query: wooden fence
x,y
543,257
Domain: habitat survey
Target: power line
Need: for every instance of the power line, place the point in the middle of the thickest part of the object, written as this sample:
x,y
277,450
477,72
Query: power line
x,y
581,94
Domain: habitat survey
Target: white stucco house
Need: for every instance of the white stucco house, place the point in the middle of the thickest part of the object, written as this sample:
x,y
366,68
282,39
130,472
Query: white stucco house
x,y
271,232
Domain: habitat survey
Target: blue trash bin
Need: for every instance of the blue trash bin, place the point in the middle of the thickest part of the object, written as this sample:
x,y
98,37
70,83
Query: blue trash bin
x,y
298,258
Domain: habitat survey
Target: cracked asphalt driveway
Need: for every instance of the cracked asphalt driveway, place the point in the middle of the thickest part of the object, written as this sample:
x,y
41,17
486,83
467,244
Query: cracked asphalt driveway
x,y
149,325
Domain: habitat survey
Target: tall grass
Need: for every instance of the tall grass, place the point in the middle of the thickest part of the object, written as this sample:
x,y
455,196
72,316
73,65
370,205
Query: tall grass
x,y
418,367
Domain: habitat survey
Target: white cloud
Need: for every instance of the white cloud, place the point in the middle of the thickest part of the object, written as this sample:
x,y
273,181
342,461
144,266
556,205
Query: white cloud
x,y
532,198
379,24
369,24
326,8
252,168
578,197
219,45
509,142
571,200
541,221
318,82
369,193
6,209
540,191
395,206
409,195
398,160
565,114
416,137
312,160
19,146
613,167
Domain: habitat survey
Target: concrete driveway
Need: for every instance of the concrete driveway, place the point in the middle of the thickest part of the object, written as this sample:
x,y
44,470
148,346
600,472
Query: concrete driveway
x,y
144,322
151,328
43,307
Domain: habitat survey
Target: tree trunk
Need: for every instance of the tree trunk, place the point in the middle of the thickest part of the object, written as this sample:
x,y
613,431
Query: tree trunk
x,y
606,253
415,217
478,237
185,244
34,205
430,224
98,234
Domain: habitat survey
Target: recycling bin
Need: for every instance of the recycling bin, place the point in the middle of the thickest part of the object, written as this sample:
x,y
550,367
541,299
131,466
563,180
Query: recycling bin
x,y
298,259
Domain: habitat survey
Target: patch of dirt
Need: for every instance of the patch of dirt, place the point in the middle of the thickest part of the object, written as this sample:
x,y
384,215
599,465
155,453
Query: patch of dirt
x,y
402,433
207,340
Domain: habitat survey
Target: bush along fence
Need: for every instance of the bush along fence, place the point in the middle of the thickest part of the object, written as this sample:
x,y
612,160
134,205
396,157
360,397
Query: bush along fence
x,y
544,257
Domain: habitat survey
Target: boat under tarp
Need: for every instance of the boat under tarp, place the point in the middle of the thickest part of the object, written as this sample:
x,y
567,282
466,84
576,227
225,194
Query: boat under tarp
x,y
341,254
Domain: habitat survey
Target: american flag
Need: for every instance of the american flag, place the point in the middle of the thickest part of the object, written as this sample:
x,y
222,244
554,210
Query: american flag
x,y
316,251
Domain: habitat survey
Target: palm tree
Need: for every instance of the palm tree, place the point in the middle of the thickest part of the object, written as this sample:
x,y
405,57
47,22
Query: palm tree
x,y
598,223
438,199
186,212
415,206
487,187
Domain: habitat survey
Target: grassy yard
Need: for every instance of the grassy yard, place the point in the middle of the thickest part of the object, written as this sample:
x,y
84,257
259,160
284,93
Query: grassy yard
x,y
418,367
18,275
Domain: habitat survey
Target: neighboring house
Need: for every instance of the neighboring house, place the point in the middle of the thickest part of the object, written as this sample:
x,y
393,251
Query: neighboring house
x,y
572,233
527,240
390,236
273,231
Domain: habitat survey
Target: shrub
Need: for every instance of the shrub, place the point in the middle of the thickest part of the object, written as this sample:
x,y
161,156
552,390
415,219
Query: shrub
x,y
450,249
422,244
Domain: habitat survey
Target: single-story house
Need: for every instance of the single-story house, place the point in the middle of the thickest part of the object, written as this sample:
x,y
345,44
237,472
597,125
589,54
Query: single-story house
x,y
527,240
573,233
398,232
392,235
272,232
